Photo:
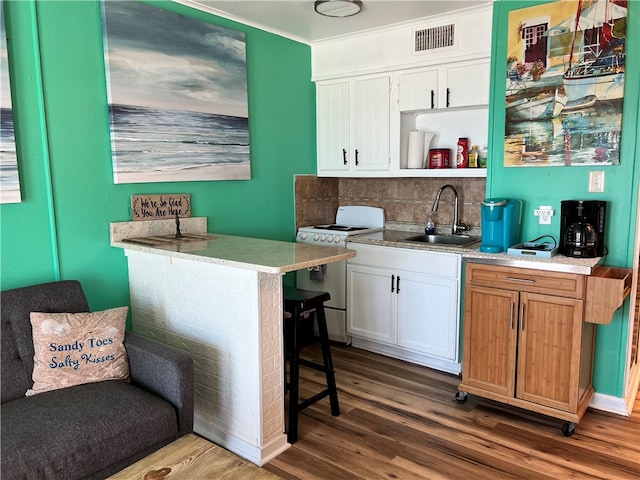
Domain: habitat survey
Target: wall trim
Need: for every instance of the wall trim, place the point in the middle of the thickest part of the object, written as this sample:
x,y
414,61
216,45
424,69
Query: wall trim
x,y
609,403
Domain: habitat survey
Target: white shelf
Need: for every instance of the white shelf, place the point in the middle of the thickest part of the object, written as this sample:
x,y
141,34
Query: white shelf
x,y
441,172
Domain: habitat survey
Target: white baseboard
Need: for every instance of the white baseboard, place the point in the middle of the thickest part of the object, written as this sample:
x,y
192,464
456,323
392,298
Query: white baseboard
x,y
609,403
244,449
437,363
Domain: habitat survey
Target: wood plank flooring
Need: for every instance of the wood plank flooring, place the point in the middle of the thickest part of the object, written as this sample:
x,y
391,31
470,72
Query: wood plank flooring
x,y
193,458
401,421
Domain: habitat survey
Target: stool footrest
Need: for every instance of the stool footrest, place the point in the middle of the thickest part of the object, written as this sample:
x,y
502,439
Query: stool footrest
x,y
314,365
311,400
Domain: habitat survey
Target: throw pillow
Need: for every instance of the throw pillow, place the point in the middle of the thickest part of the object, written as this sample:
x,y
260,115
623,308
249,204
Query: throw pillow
x,y
75,348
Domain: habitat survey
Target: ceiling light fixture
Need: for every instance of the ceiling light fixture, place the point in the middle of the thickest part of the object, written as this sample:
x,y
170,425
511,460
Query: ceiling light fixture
x,y
337,8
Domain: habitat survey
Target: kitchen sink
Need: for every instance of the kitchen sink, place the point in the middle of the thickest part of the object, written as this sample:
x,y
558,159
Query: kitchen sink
x,y
451,240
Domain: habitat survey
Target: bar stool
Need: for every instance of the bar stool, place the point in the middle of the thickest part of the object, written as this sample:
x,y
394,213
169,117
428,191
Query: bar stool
x,y
297,306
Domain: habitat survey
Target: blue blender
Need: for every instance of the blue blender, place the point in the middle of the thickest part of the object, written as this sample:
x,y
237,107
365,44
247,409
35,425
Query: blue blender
x,y
501,218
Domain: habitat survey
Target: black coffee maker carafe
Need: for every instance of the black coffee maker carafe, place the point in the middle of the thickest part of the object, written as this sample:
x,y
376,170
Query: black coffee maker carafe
x,y
582,228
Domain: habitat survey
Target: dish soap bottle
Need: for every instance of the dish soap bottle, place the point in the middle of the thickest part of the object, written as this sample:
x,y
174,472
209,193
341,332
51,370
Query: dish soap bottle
x,y
431,227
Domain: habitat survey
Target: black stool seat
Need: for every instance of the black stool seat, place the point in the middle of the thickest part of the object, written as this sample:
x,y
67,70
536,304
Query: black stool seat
x,y
297,303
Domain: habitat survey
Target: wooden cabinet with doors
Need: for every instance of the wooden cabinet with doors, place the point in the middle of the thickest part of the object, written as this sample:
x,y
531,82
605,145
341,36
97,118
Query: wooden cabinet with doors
x,y
526,342
353,125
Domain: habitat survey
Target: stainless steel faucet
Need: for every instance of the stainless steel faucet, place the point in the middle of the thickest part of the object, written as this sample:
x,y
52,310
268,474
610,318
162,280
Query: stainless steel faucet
x,y
457,227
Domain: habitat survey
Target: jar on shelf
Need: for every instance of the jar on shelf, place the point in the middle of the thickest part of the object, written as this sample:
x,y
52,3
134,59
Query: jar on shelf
x,y
483,157
474,155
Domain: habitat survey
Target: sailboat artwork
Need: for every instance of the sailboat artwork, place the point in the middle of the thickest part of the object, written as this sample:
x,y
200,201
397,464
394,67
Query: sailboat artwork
x,y
565,83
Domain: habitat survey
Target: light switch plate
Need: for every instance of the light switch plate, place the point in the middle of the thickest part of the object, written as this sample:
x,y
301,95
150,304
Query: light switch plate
x,y
596,181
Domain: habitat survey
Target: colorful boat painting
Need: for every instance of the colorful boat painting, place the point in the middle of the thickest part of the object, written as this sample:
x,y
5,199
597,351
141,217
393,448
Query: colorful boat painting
x,y
544,106
572,113
603,77
579,104
600,65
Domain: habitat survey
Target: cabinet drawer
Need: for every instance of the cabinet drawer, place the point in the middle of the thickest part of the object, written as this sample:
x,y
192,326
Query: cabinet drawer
x,y
526,280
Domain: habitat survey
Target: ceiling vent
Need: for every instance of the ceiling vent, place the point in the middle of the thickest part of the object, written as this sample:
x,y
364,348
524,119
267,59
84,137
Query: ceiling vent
x,y
433,38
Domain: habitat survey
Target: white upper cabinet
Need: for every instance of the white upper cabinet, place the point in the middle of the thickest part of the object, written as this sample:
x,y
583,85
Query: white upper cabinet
x,y
353,126
418,90
463,84
468,84
371,122
333,117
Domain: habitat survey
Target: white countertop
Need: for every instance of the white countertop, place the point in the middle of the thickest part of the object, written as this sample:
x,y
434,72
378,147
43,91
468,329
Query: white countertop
x,y
557,263
268,256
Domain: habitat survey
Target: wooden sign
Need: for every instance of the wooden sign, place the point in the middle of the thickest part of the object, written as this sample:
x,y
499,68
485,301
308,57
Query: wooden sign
x,y
160,207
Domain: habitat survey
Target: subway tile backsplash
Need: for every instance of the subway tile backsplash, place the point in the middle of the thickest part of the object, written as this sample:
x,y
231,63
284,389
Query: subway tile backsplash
x,y
403,199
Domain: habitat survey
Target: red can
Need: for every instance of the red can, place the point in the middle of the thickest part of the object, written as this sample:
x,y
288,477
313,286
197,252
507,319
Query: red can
x,y
439,158
462,156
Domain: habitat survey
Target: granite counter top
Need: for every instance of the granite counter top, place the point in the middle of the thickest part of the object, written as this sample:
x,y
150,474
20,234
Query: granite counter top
x,y
268,256
558,263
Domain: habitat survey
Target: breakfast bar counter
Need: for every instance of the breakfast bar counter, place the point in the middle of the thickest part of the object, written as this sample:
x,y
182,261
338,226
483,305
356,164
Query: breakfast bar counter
x,y
220,299
267,256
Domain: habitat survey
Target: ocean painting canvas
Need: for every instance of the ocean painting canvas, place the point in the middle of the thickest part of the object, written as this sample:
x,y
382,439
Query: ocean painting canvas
x,y
9,182
177,96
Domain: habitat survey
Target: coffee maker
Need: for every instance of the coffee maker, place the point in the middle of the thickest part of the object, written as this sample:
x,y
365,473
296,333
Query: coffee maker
x,y
501,218
582,224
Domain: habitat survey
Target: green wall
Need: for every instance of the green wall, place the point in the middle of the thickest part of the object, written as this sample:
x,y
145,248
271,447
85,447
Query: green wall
x,y
61,228
59,95
549,185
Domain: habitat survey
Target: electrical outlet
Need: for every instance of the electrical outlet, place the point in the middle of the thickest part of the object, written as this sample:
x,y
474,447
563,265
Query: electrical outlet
x,y
596,181
544,214
543,211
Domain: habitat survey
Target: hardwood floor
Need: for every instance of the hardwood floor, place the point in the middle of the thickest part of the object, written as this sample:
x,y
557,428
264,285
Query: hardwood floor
x,y
401,421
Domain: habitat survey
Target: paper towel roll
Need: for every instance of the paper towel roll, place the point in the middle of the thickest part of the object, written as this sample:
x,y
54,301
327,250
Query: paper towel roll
x,y
415,153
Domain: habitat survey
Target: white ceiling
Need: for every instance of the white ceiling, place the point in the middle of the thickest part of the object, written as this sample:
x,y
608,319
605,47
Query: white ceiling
x,y
296,19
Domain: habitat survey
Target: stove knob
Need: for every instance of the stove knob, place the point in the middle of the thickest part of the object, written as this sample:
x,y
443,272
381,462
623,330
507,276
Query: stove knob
x,y
316,237
337,239
329,238
323,237
303,236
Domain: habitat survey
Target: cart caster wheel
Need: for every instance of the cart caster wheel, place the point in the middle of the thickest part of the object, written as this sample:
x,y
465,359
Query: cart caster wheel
x,y
461,397
568,428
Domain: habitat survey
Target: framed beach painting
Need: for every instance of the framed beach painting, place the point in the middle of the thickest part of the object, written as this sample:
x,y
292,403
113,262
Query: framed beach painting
x,y
9,181
565,71
177,96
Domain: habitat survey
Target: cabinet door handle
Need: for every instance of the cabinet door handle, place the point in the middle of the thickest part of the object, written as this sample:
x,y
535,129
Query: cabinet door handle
x,y
521,280
398,285
448,92
356,156
344,156
511,316
522,317
433,98
393,281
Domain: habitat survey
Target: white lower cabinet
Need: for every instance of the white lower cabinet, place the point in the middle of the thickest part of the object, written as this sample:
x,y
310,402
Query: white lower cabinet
x,y
404,303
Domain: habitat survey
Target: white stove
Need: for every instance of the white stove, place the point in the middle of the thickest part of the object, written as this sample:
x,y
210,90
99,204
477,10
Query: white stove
x,y
350,220
332,278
